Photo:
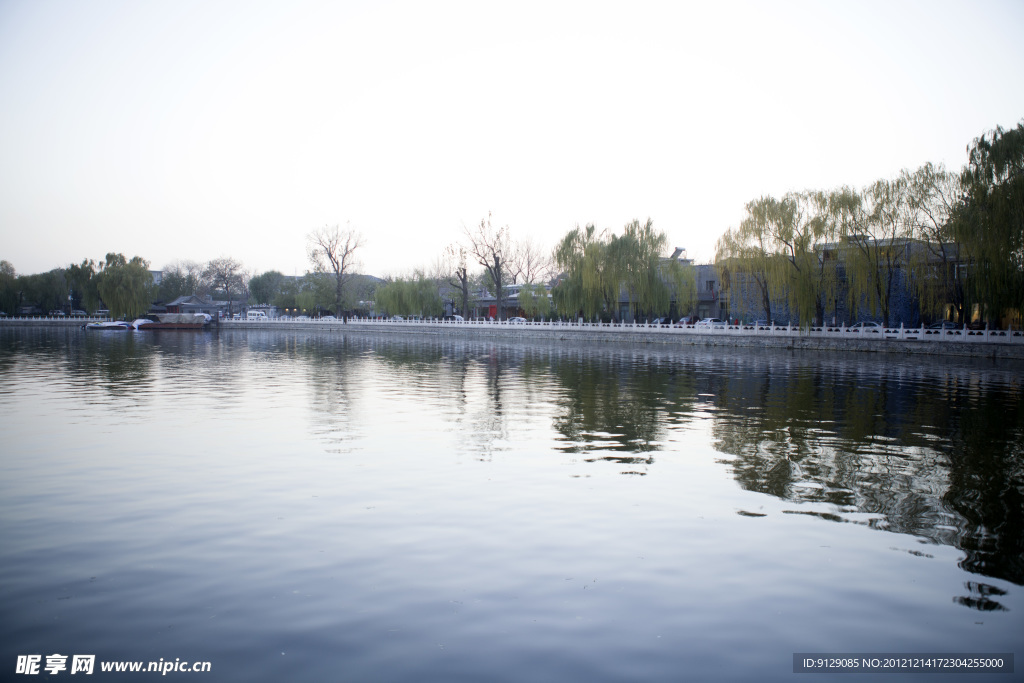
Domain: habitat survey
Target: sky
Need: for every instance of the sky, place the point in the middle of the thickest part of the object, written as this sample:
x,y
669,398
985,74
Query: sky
x,y
184,129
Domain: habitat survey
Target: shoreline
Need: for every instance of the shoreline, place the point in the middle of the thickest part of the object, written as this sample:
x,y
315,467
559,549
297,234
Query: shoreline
x,y
960,343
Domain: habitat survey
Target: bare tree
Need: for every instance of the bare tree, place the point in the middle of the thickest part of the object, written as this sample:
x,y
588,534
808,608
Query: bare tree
x,y
332,251
181,278
529,263
491,248
226,274
452,269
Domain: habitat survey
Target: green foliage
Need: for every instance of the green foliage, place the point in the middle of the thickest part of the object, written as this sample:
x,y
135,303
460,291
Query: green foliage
x,y
934,265
183,278
415,295
47,291
682,282
798,248
534,300
266,287
878,240
316,293
10,293
83,283
750,252
638,257
590,284
286,297
989,223
598,267
126,287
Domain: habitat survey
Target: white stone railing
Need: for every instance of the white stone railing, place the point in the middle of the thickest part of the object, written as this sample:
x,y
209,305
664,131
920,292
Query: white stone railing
x,y
901,333
53,318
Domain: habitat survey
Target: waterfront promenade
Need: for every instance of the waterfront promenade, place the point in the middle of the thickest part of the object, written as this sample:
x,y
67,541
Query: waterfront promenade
x,y
900,340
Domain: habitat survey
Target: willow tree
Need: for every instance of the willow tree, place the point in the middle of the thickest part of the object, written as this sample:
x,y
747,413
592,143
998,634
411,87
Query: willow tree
x,y
126,287
990,222
935,192
590,280
638,255
414,295
749,254
810,243
682,282
879,239
534,300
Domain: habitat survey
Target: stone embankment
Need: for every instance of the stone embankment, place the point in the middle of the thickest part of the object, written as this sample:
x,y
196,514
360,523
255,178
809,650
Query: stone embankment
x,y
959,342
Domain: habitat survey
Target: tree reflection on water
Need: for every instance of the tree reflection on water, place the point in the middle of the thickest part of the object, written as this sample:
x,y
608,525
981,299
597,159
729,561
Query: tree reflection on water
x,y
922,446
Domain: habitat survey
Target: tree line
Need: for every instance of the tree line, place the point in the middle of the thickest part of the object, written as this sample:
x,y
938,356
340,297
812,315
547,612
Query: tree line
x,y
123,286
954,239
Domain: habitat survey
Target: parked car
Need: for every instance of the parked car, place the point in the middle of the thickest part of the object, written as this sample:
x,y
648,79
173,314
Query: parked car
x,y
517,320
865,327
302,317
944,325
711,322
56,313
397,318
327,317
79,313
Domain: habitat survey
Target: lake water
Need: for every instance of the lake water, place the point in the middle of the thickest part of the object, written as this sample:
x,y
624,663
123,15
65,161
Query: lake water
x,y
319,507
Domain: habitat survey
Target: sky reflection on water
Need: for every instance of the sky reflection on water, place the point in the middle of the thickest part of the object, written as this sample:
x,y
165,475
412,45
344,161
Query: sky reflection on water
x,y
297,507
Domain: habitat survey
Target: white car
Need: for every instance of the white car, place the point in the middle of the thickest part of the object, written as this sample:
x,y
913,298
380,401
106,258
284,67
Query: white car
x,y
710,322
516,320
865,327
327,317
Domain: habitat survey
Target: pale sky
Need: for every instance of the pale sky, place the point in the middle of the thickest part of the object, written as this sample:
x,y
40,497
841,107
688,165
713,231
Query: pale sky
x,y
184,129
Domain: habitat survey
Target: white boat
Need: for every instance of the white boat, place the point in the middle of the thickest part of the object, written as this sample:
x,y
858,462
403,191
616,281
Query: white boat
x,y
110,325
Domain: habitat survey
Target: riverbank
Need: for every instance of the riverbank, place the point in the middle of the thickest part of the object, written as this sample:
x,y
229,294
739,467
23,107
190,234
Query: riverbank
x,y
961,343
996,344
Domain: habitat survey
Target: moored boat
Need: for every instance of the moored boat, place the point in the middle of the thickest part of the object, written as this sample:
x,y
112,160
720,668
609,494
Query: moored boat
x,y
173,321
110,325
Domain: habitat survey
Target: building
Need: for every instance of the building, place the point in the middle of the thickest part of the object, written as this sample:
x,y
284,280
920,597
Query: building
x,y
192,303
